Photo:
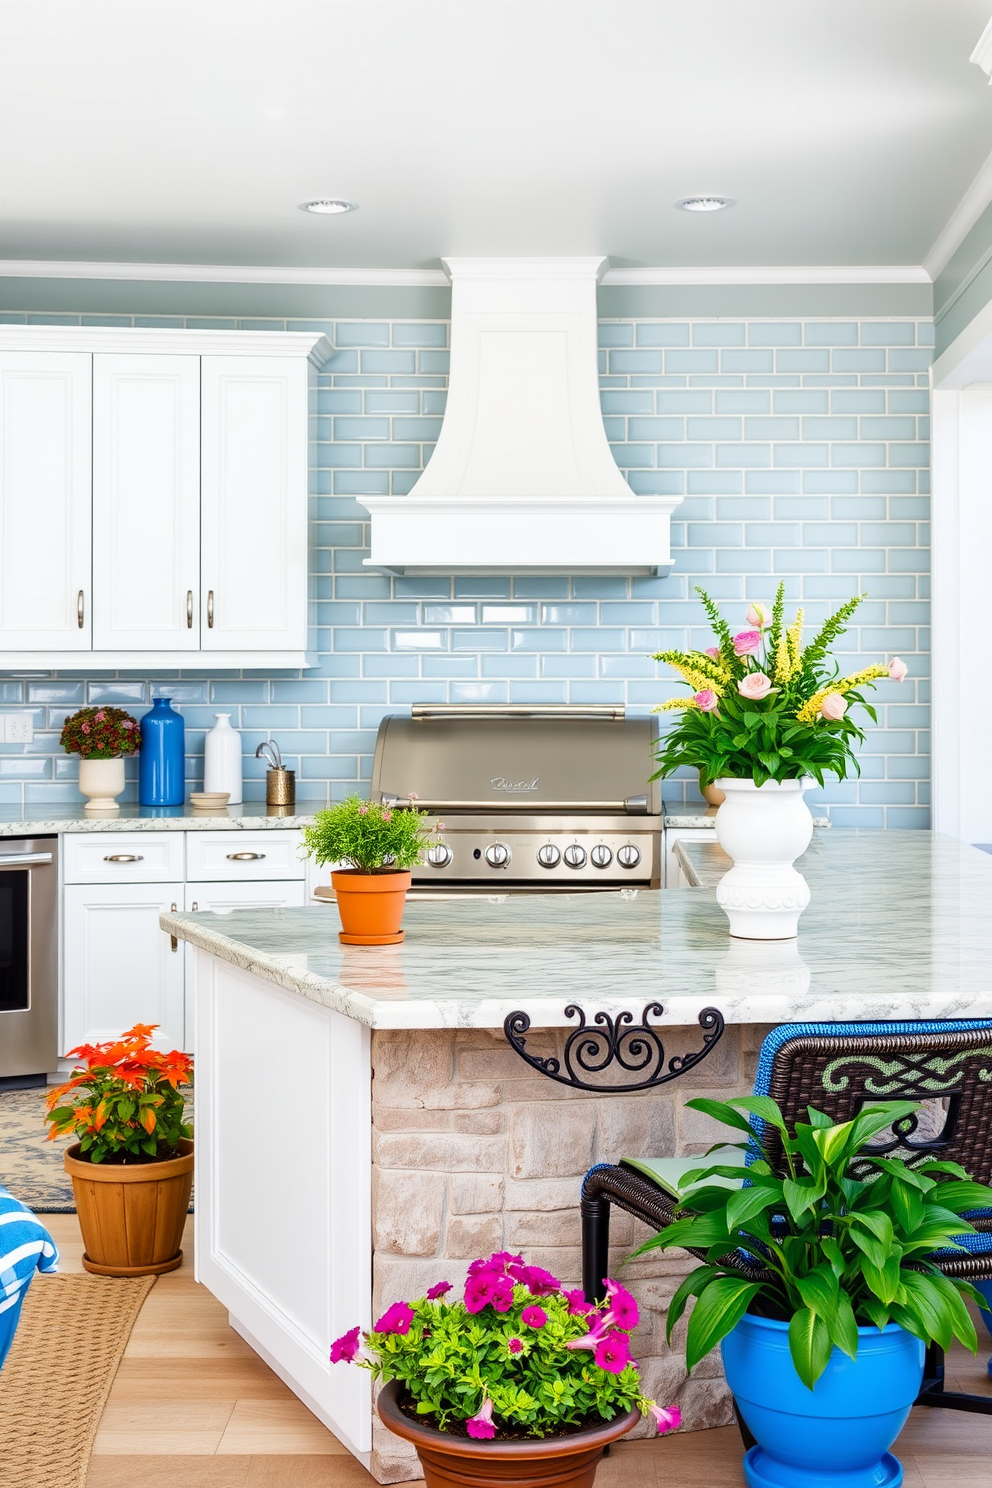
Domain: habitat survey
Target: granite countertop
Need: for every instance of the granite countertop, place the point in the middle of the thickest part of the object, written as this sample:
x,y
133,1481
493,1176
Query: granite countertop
x,y
705,821
17,821
899,926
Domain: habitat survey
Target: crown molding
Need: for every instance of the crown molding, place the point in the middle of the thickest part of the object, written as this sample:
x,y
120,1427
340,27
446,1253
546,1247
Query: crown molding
x,y
24,268
982,55
315,347
963,218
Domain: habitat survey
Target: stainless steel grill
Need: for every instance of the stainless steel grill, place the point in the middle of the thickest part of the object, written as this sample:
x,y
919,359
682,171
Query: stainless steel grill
x,y
539,799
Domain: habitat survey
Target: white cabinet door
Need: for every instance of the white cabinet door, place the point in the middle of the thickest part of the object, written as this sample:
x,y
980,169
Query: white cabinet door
x,y
45,501
146,502
119,967
254,503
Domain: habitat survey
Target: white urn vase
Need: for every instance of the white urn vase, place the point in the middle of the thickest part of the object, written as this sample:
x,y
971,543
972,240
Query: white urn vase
x,y
764,828
101,781
222,759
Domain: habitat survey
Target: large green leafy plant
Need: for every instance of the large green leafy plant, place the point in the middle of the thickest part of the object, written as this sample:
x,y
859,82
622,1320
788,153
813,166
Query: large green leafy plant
x,y
844,1237
763,706
372,837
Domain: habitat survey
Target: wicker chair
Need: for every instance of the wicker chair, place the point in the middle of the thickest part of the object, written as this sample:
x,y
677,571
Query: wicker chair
x,y
840,1067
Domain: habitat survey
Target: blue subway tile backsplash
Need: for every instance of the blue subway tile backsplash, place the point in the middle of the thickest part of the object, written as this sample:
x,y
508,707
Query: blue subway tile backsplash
x,y
800,449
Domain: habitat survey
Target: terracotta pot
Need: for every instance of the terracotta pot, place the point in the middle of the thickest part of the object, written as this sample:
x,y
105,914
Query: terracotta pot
x,y
544,1462
132,1214
370,905
711,793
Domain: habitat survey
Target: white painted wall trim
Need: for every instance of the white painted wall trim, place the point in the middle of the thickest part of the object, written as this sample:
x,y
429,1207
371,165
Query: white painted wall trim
x,y
961,541
13,268
961,221
166,340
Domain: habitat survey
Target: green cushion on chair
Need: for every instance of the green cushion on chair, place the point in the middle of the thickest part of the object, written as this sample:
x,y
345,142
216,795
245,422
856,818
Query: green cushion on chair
x,y
668,1172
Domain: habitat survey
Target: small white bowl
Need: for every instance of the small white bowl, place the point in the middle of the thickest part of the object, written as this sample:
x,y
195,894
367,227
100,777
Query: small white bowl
x,y
209,800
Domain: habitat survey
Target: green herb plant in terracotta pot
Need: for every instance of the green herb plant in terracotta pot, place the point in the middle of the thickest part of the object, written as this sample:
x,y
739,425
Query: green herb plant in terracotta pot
x,y
516,1381
131,1164
380,843
101,737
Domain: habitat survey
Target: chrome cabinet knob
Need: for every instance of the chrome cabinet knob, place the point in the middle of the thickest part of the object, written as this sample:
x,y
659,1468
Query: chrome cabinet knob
x,y
548,856
601,856
497,855
575,856
439,856
629,856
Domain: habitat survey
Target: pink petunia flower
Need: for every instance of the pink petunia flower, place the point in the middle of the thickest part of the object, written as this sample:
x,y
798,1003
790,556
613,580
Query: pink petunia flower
x,y
577,1304
395,1319
666,1417
539,1283
438,1290
514,1346
747,642
498,1261
344,1349
488,1289
613,1353
622,1306
534,1317
707,700
481,1426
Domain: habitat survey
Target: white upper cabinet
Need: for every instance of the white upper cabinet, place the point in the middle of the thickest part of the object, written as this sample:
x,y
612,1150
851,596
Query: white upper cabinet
x,y
146,503
177,536
45,592
254,554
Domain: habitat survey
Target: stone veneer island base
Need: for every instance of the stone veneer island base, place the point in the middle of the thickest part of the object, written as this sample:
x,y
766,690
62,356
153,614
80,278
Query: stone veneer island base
x,y
363,1128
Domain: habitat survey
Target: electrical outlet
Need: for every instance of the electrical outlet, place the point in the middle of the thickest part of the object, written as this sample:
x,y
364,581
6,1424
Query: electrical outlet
x,y
18,728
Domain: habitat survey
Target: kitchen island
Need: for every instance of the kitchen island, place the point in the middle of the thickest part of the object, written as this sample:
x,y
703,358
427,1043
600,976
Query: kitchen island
x,y
364,1129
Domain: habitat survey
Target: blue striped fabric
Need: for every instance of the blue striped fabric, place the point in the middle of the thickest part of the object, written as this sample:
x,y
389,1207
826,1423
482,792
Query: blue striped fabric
x,y
25,1247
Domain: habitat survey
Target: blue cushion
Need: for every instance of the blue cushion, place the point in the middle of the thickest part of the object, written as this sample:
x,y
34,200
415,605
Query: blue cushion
x,y
25,1247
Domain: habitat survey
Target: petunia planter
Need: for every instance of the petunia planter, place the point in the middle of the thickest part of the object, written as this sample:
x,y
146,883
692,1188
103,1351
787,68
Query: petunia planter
x,y
132,1214
542,1462
371,905
764,828
836,1435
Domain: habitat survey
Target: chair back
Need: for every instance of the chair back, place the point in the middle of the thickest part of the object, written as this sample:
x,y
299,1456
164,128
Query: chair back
x,y
841,1067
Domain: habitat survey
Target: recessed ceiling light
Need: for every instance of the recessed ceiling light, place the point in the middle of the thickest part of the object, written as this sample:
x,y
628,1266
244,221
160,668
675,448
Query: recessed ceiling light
x,y
328,206
705,203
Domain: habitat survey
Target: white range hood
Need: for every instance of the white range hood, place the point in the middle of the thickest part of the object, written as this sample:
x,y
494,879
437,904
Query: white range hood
x,y
522,479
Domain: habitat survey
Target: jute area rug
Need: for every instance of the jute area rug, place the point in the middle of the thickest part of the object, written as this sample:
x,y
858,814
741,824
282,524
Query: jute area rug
x,y
30,1165
58,1374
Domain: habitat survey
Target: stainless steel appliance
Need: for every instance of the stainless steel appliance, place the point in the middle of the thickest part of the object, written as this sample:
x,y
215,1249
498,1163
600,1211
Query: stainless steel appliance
x,y
29,956
534,799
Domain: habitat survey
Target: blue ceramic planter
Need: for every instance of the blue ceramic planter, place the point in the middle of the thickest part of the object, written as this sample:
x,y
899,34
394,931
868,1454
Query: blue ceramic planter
x,y
836,1435
162,759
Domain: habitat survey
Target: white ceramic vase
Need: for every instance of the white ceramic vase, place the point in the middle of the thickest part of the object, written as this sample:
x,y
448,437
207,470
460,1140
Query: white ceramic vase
x,y
764,829
222,759
101,781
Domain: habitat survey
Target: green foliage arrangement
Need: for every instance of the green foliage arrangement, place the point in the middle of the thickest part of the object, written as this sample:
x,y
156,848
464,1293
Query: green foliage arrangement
x,y
516,1356
845,1237
763,707
100,733
371,837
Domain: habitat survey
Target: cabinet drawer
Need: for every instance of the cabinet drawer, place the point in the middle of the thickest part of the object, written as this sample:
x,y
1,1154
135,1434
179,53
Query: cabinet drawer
x,y
221,898
122,857
232,857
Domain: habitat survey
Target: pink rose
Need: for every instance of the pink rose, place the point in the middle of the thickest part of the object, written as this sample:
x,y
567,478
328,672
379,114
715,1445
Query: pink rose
x,y
747,642
897,669
666,1417
754,686
713,651
833,707
757,615
707,700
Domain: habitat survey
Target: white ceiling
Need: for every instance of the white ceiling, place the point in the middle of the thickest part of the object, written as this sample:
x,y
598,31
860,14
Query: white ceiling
x,y
188,130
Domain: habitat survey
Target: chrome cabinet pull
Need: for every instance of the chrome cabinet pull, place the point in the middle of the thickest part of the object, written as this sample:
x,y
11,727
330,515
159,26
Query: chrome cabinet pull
x,y
80,609
245,857
210,609
195,906
173,938
189,609
124,858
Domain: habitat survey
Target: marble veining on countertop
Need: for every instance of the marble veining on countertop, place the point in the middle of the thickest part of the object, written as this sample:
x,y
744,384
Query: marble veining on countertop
x,y
705,821
898,926
254,816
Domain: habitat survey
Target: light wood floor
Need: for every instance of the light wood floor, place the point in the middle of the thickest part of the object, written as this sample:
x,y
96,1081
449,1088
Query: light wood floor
x,y
192,1405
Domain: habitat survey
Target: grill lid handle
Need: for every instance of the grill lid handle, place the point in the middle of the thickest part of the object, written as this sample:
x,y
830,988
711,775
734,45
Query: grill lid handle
x,y
598,711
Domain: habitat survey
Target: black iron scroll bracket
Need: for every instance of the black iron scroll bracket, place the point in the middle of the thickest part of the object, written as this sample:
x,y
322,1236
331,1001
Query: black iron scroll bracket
x,y
634,1047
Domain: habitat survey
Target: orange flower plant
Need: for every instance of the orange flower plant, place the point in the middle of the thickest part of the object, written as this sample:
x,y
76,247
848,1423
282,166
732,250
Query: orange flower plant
x,y
126,1104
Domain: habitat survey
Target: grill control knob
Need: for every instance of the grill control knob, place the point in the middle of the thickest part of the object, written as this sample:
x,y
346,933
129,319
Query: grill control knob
x,y
601,857
575,856
439,856
497,855
548,856
629,856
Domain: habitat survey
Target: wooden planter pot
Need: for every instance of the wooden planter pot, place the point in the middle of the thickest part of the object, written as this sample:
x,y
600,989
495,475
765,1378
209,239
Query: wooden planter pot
x,y
132,1215
460,1462
370,905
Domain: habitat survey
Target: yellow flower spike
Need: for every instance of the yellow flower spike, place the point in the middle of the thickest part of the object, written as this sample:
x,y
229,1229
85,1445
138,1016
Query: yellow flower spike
x,y
810,710
674,704
783,661
795,636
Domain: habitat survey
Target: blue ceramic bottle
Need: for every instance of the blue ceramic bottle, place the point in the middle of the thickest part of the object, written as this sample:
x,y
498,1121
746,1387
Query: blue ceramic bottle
x,y
162,760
